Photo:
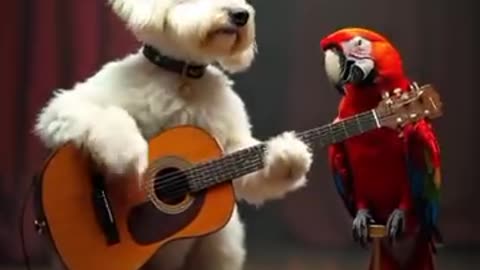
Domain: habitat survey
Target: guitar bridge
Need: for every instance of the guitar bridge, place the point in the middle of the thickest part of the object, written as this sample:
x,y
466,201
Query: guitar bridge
x,y
104,211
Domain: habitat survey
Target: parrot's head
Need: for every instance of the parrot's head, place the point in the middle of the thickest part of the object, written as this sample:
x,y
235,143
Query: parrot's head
x,y
361,58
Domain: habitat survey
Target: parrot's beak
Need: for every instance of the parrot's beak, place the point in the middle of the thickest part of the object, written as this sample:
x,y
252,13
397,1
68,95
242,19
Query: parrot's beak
x,y
357,70
334,67
343,69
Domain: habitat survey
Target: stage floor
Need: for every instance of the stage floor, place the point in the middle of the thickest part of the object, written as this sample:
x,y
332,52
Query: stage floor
x,y
448,259
352,259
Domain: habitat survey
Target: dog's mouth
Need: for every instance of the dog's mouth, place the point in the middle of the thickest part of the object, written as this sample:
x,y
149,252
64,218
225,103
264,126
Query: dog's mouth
x,y
227,30
226,38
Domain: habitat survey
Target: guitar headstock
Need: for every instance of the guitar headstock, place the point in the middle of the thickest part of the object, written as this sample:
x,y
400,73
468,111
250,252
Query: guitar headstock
x,y
404,107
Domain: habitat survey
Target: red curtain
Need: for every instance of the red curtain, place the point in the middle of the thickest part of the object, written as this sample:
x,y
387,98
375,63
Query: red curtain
x,y
46,45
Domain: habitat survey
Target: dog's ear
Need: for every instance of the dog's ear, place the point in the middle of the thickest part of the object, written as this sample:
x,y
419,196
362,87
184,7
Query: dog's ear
x,y
241,61
139,14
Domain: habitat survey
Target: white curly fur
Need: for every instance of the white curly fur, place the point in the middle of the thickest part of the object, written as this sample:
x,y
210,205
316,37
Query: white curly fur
x,y
116,111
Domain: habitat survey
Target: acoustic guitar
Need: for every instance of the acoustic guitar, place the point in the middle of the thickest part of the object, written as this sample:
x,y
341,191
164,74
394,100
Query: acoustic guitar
x,y
187,190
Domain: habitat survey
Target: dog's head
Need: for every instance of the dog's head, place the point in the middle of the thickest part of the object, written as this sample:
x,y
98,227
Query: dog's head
x,y
203,31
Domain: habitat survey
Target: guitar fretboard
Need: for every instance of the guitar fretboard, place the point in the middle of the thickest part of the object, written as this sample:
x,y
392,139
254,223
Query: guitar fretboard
x,y
250,159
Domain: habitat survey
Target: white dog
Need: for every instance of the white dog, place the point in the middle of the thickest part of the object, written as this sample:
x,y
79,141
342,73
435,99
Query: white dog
x,y
171,81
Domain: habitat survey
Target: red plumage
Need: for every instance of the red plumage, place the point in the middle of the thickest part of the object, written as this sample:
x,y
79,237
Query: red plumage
x,y
384,170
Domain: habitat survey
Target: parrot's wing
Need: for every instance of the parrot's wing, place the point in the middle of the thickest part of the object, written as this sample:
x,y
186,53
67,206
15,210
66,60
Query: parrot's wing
x,y
342,175
423,160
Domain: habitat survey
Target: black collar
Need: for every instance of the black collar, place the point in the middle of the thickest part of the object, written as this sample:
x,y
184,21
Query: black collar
x,y
181,67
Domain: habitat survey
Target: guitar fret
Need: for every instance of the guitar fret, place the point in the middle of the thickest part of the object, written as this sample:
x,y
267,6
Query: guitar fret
x,y
354,126
352,129
229,168
359,125
345,128
224,169
377,122
332,133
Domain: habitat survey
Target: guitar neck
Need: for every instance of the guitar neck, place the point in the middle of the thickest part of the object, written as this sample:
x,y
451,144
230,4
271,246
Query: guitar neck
x,y
341,130
250,159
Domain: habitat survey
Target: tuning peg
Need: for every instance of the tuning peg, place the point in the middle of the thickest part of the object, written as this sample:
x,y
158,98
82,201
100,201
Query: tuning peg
x,y
385,95
426,112
397,91
414,86
404,96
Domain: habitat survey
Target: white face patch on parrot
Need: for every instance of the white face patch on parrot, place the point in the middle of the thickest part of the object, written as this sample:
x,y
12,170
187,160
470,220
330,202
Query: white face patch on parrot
x,y
357,48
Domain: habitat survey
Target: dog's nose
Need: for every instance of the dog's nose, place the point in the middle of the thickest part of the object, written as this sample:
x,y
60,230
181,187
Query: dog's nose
x,y
238,16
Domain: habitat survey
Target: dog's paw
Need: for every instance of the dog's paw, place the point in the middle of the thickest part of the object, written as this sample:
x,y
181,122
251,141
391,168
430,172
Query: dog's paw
x,y
115,142
287,159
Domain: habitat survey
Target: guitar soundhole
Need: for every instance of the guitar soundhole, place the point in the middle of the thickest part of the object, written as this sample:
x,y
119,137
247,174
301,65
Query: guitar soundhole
x,y
171,185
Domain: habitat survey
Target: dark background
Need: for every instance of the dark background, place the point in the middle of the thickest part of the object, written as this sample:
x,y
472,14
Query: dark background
x,y
48,44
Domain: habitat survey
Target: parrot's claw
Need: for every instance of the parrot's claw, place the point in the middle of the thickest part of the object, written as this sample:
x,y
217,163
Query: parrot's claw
x,y
360,226
396,224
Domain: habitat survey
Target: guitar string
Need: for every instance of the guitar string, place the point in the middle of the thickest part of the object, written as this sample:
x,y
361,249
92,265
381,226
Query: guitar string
x,y
180,191
208,168
177,175
208,164
171,179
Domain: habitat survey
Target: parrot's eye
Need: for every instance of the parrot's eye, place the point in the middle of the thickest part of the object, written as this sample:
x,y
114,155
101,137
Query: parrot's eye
x,y
358,42
358,47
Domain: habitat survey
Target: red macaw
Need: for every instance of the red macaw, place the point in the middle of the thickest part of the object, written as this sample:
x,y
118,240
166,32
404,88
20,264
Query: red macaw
x,y
385,176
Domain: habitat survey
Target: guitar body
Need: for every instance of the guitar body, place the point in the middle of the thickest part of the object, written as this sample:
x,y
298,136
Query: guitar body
x,y
143,221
